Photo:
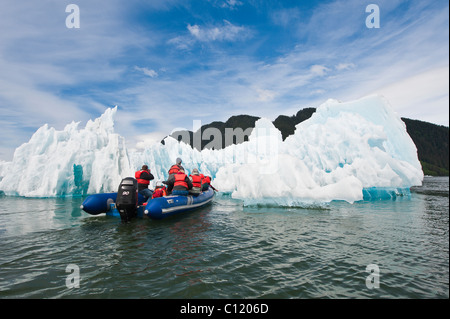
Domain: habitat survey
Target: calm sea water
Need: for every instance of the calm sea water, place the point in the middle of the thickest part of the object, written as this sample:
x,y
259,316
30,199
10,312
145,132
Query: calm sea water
x,y
226,250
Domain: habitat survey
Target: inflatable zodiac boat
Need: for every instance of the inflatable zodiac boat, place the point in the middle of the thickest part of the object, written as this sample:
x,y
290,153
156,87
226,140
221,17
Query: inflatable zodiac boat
x,y
128,203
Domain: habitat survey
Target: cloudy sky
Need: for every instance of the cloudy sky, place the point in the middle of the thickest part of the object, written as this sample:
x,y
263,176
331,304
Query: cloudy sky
x,y
167,63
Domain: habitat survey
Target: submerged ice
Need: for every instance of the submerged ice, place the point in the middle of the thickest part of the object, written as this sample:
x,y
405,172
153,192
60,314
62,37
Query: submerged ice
x,y
345,151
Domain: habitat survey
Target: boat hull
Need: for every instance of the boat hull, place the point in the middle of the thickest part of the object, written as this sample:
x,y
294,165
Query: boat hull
x,y
98,203
163,207
156,208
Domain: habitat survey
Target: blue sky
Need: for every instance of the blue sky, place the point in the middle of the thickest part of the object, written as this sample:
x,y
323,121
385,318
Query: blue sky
x,y
167,63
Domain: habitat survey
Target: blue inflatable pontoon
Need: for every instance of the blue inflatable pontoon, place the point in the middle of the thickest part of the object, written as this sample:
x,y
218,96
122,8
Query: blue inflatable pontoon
x,y
156,208
166,206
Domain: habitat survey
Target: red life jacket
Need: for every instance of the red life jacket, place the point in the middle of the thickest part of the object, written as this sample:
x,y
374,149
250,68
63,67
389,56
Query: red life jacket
x,y
137,175
174,169
180,180
159,192
196,181
206,180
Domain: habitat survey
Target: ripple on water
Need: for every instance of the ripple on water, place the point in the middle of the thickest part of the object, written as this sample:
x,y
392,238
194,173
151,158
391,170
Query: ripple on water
x,y
228,251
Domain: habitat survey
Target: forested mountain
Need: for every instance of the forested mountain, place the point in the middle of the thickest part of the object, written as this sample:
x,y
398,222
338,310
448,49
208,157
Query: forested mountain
x,y
432,145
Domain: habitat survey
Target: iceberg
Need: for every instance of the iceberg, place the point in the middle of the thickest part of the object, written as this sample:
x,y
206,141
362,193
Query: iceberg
x,y
347,151
68,162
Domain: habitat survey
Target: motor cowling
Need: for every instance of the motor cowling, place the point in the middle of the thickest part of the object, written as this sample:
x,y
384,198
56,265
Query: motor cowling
x,y
127,199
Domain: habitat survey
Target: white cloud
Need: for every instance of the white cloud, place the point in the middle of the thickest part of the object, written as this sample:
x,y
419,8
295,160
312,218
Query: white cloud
x,y
317,92
319,70
227,32
265,95
344,66
421,96
194,30
149,72
231,4
181,42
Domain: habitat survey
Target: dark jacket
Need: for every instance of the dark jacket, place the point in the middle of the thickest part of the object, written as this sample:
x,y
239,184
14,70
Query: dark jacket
x,y
171,180
147,176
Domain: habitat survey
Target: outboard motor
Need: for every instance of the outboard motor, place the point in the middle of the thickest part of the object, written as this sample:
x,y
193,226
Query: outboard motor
x,y
127,199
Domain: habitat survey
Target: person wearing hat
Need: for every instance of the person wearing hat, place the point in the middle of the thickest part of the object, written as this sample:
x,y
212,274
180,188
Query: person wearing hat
x,y
143,177
196,180
176,167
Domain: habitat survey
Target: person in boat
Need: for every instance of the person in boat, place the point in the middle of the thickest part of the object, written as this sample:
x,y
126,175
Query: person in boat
x,y
206,183
196,179
179,183
176,167
160,191
143,177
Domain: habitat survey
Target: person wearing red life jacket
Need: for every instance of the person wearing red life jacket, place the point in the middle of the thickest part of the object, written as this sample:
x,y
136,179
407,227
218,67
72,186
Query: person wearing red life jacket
x,y
179,183
160,191
206,183
176,167
196,179
143,177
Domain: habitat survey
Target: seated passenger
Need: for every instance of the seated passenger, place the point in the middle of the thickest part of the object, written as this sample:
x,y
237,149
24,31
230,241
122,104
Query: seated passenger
x,y
179,183
196,180
206,181
160,191
143,178
176,167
